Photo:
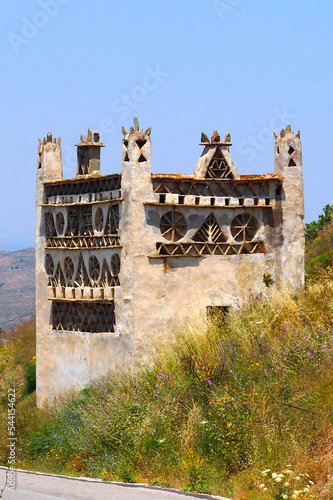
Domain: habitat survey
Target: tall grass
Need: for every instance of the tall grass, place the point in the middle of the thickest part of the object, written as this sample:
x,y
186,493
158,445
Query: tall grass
x,y
216,405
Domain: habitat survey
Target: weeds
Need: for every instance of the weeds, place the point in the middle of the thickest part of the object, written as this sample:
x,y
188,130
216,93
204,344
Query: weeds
x,y
218,402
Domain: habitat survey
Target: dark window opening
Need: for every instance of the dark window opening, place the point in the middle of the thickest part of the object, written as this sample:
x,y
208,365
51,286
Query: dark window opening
x,y
197,200
162,198
278,192
181,199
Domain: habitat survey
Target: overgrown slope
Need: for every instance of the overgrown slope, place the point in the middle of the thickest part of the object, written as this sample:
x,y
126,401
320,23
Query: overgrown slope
x,y
217,406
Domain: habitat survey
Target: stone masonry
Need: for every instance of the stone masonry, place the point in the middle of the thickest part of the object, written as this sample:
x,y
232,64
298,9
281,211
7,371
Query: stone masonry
x,y
120,257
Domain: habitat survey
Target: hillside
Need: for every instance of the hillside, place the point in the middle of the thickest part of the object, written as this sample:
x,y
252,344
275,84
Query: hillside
x,y
17,286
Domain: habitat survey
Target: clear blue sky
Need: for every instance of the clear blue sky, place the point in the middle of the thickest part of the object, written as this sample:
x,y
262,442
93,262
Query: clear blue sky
x,y
182,67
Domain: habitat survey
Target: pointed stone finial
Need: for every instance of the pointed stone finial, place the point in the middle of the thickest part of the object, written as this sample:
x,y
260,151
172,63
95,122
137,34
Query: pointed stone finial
x,y
44,141
215,137
276,135
49,137
83,138
282,133
288,129
59,141
39,141
148,131
89,135
136,124
123,130
96,137
298,134
204,137
227,137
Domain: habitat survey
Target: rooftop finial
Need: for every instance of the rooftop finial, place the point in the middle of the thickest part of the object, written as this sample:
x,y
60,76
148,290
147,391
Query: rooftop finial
x,y
136,123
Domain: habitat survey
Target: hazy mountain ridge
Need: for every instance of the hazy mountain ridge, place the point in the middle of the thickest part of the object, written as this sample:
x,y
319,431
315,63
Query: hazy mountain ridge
x,y
17,286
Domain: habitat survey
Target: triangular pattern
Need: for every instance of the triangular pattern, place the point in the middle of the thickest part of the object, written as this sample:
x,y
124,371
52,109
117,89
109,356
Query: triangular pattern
x,y
83,316
112,222
218,167
59,277
210,231
106,278
142,158
50,229
82,278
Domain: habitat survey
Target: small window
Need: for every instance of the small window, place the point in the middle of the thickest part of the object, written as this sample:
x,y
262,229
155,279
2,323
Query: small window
x,y
162,198
212,201
181,199
197,200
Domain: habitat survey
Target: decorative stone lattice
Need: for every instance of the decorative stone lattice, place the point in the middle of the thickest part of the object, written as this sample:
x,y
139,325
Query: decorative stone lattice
x,y
112,224
239,189
50,229
99,220
69,270
94,269
82,278
82,187
203,249
105,275
244,227
210,231
83,316
49,264
173,225
60,222
80,232
218,167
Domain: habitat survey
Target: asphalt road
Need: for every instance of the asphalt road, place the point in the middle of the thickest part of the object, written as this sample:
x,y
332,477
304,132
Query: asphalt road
x,y
39,486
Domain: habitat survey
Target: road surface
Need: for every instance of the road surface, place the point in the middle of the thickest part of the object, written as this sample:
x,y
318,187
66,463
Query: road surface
x,y
40,486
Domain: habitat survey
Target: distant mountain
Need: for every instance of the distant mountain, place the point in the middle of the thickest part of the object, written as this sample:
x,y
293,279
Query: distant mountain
x,y
17,286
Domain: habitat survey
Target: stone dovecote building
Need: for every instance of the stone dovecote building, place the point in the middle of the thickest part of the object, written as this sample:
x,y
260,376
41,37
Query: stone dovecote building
x,y
122,256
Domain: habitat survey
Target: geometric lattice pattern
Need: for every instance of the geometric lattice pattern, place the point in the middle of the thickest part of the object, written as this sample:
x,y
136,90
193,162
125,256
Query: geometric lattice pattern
x,y
210,231
244,227
92,242
80,232
218,167
203,249
98,273
173,225
82,187
83,316
200,187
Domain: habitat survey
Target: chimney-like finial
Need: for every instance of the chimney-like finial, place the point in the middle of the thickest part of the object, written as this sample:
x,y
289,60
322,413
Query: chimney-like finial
x,y
136,124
